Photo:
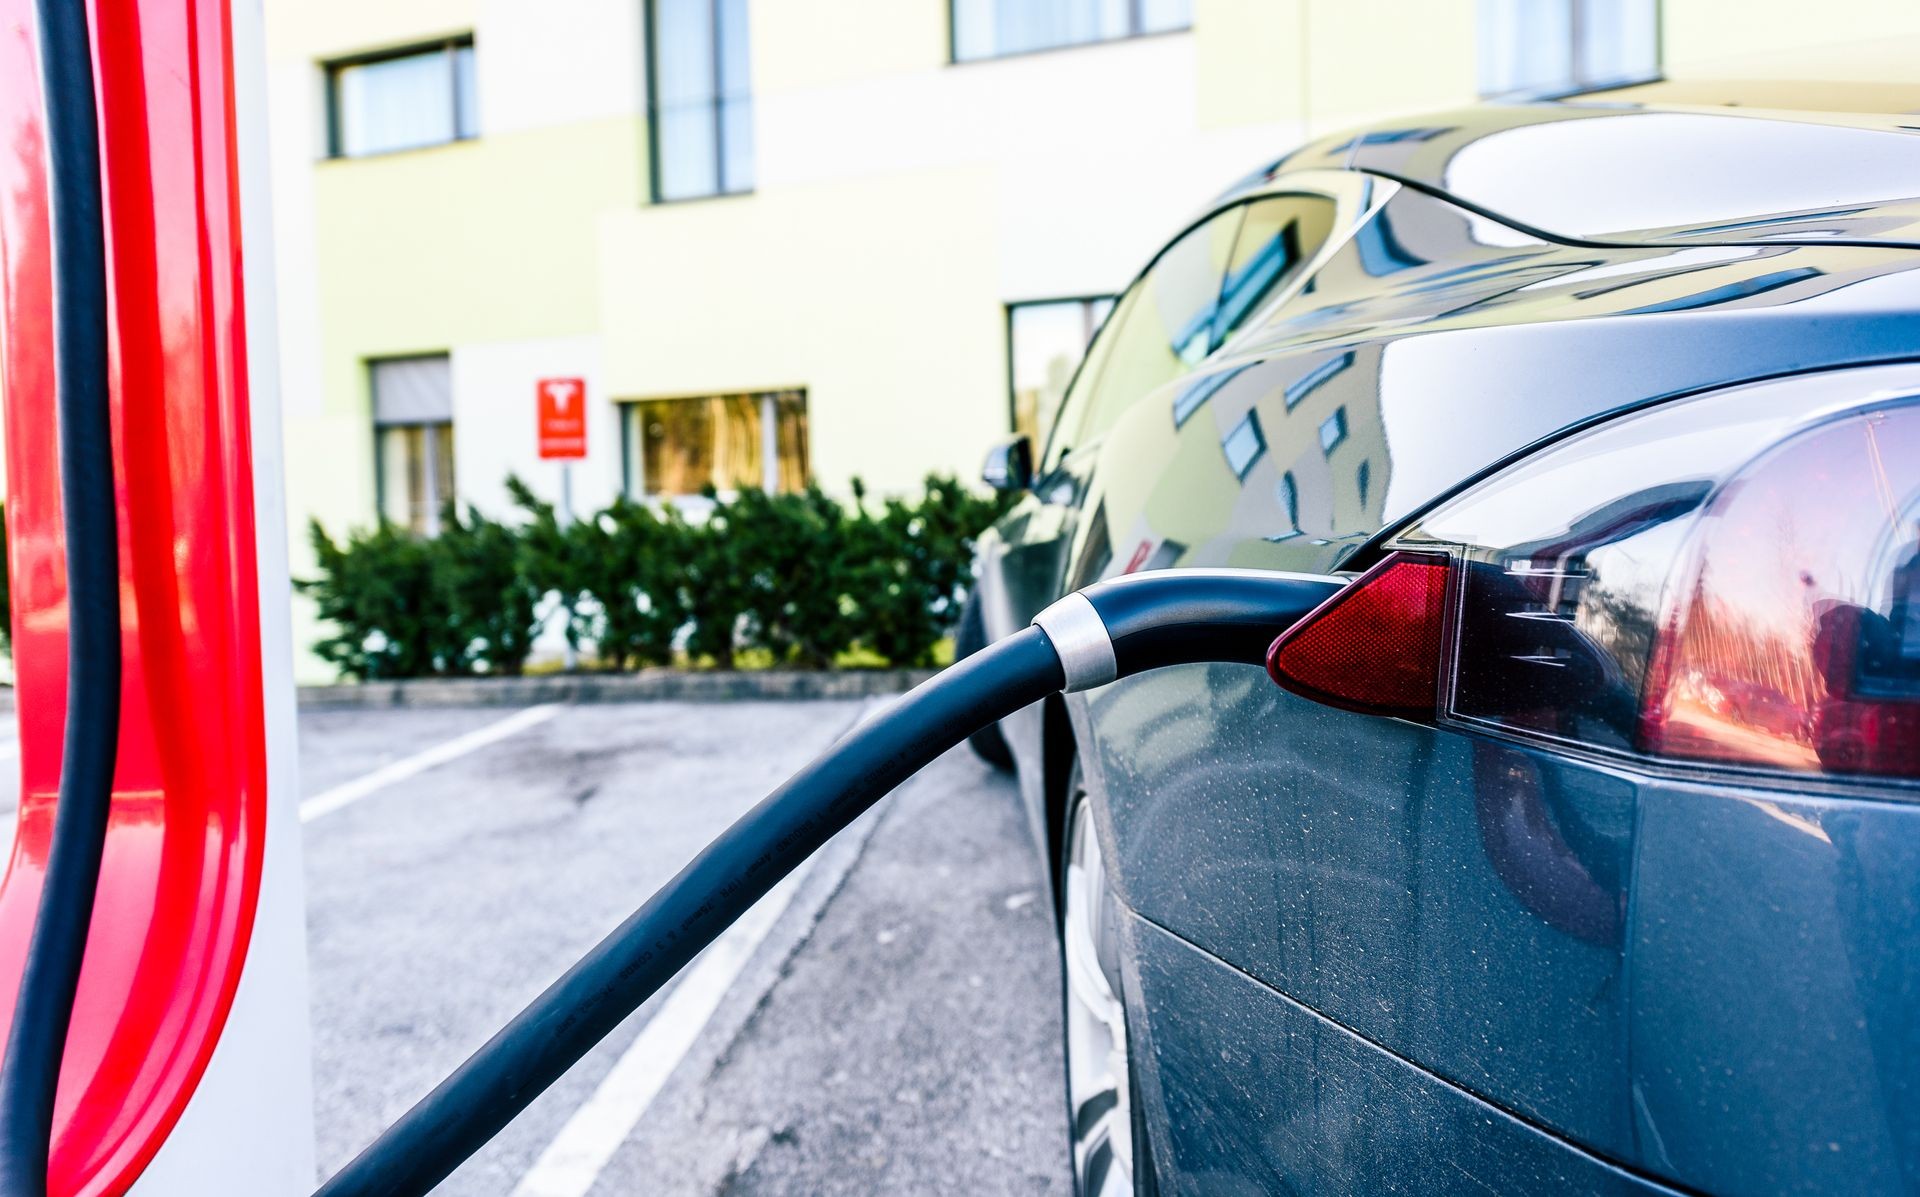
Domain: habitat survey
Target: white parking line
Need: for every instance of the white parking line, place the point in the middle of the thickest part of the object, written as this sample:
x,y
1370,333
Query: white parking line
x,y
578,1154
328,801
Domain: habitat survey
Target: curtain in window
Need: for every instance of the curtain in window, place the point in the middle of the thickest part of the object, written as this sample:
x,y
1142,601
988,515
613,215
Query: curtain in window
x,y
416,474
396,104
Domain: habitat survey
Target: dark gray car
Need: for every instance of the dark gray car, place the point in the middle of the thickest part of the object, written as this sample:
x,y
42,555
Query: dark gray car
x,y
1580,851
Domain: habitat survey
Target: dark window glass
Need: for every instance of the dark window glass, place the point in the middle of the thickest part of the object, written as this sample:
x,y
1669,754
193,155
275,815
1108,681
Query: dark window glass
x,y
702,98
403,101
993,28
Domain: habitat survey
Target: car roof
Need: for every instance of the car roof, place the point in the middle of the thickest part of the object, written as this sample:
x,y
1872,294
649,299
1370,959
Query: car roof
x,y
1753,151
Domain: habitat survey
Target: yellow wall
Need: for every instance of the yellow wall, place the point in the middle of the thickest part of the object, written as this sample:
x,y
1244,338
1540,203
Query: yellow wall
x,y
322,29
1696,32
800,44
1251,72
1376,58
493,239
880,296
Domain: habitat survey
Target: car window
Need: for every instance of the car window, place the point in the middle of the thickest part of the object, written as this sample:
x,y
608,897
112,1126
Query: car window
x,y
1200,290
1276,238
1164,327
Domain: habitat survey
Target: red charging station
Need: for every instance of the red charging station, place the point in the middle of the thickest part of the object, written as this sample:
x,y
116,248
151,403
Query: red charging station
x,y
197,940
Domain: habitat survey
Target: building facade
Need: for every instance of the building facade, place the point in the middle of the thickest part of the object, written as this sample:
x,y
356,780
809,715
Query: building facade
x,y
784,241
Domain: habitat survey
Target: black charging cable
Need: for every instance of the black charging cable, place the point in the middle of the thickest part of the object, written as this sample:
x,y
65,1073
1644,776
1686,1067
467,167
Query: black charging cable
x,y
37,1039
1108,631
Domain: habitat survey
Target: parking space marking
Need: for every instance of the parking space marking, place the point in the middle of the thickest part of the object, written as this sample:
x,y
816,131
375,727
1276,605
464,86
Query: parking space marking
x,y
328,801
580,1152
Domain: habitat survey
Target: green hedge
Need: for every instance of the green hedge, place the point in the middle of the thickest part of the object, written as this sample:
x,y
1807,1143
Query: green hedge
x,y
800,580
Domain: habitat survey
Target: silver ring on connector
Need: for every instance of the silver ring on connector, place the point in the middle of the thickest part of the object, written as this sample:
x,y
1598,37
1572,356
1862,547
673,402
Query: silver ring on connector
x,y
1081,638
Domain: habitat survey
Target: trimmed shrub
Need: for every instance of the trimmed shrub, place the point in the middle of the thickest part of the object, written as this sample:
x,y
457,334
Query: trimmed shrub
x,y
490,597
377,590
618,575
403,605
912,567
800,579
793,553
714,583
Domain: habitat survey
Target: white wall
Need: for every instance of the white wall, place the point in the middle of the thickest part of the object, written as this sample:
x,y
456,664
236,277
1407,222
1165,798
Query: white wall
x,y
1081,204
494,419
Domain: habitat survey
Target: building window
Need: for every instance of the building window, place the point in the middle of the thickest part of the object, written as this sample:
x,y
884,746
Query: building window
x,y
679,447
699,100
997,28
1045,342
1549,47
402,99
413,441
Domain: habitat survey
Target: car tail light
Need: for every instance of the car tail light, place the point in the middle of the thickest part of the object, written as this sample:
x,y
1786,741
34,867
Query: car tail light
x,y
1376,645
1791,635
1731,579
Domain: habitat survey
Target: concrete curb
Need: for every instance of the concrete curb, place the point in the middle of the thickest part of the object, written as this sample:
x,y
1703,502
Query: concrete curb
x,y
648,685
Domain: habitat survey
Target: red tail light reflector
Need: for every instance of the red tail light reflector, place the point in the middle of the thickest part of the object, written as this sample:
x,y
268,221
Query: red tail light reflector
x,y
1375,646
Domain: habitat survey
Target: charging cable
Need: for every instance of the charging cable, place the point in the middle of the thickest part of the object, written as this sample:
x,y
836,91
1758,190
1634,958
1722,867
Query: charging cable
x,y
1106,632
50,972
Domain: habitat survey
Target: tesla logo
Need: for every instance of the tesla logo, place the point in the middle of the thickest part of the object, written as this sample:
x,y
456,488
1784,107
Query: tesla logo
x,y
563,422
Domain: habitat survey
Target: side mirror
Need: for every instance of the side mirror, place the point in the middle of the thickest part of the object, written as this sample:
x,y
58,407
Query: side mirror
x,y
1009,464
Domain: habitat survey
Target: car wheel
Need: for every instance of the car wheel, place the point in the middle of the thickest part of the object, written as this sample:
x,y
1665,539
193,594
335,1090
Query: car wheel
x,y
969,638
1108,1143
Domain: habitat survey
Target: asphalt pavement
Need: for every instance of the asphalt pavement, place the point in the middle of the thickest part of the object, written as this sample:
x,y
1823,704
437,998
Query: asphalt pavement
x,y
889,1025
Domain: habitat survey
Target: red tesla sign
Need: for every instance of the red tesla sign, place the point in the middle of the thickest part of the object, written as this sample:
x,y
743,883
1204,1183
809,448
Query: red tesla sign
x,y
563,418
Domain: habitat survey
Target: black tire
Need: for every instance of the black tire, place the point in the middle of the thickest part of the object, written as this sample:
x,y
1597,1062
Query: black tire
x,y
969,638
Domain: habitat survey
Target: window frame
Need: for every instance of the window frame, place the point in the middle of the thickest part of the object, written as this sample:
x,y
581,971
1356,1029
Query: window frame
x,y
650,26
450,45
1134,34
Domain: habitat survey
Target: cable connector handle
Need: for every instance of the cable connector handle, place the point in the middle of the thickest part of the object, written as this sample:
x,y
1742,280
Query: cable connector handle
x,y
1130,624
